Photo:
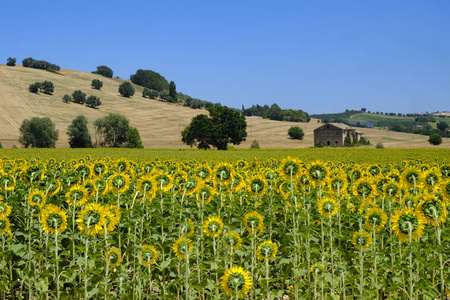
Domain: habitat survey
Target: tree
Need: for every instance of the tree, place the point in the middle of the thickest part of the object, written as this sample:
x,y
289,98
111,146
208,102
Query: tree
x,y
67,98
173,92
38,133
275,112
93,101
223,126
134,138
126,89
442,126
47,87
34,87
79,97
78,133
104,71
96,84
11,62
435,139
113,130
150,80
296,133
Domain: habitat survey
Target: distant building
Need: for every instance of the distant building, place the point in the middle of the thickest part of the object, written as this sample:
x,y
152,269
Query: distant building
x,y
333,134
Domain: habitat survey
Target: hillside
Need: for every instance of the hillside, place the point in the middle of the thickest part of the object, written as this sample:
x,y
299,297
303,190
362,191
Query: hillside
x,y
159,123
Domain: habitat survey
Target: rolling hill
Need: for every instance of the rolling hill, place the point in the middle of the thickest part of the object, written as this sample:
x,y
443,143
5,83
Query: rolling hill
x,y
159,123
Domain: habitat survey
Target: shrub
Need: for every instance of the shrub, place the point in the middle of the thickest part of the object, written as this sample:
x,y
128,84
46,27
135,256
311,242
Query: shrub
x,y
319,145
96,84
78,133
254,145
151,94
379,145
79,97
47,87
29,62
134,138
67,98
435,139
296,133
104,71
34,87
93,101
126,89
11,62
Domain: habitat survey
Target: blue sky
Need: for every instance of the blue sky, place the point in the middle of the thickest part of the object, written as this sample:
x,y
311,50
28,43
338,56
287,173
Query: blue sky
x,y
318,56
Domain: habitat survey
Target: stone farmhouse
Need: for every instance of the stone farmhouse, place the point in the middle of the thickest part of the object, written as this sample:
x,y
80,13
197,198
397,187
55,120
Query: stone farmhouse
x,y
333,134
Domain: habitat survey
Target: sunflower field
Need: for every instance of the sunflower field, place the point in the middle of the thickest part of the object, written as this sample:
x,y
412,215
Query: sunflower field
x,y
275,228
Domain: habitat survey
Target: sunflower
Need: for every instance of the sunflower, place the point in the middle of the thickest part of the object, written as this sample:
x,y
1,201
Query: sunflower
x,y
433,210
213,226
99,169
392,190
241,164
146,186
236,282
37,198
77,194
267,250
205,193
182,247
191,185
257,185
253,222
120,182
338,183
5,209
4,224
202,173
53,218
223,173
112,216
406,221
361,239
92,219
317,171
317,269
163,181
431,177
328,207
289,167
232,239
113,257
238,182
148,255
363,188
376,218
122,165
100,185
412,176
7,181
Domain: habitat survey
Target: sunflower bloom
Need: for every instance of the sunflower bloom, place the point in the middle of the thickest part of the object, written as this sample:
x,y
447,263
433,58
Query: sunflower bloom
x,y
328,207
92,219
376,218
148,255
236,281
433,210
5,209
4,224
254,224
37,198
77,195
213,226
232,239
182,247
317,269
113,257
406,222
361,240
53,218
267,250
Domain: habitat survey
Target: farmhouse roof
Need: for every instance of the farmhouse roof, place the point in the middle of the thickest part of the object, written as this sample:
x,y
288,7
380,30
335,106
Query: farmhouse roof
x,y
340,126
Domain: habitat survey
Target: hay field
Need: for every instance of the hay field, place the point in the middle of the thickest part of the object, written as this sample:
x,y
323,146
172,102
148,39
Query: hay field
x,y
159,123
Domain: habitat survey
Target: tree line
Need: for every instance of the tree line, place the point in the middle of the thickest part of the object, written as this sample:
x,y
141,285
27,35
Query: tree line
x,y
113,130
274,112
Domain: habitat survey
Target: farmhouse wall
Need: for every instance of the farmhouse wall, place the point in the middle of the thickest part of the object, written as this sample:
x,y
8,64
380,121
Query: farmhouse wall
x,y
329,135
